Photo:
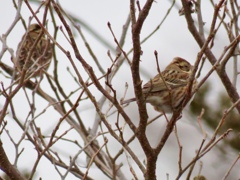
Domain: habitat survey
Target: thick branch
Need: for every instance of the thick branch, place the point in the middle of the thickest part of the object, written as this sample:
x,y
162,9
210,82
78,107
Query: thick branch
x,y
141,132
136,29
7,167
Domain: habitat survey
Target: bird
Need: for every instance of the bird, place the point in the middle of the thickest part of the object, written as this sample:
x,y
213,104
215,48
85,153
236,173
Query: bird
x,y
37,57
167,90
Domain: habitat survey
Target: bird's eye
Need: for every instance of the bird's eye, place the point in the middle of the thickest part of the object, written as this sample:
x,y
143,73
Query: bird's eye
x,y
184,67
34,28
37,27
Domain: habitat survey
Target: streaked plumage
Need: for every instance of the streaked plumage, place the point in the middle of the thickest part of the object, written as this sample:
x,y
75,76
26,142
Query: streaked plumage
x,y
41,55
176,77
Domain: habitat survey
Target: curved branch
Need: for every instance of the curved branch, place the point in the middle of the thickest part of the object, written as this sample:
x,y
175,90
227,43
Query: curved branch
x,y
231,90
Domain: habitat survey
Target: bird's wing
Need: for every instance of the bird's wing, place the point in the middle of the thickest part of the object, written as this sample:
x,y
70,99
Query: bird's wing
x,y
171,80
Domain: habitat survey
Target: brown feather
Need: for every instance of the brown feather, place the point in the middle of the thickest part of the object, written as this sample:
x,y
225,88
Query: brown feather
x,y
167,90
41,54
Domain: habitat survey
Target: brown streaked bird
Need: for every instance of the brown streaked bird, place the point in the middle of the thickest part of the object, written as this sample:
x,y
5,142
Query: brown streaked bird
x,y
166,91
41,55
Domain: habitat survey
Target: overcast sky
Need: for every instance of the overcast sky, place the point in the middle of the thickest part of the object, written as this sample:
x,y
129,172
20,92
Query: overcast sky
x,y
173,39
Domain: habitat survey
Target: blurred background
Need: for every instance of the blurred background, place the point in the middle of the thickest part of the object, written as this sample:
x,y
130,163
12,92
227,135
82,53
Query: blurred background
x,y
170,40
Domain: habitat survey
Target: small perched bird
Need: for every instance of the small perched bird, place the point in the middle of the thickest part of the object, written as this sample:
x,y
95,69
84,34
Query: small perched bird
x,y
166,91
35,58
